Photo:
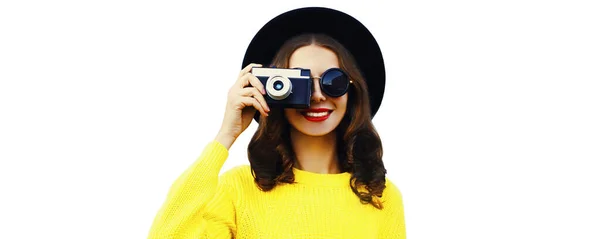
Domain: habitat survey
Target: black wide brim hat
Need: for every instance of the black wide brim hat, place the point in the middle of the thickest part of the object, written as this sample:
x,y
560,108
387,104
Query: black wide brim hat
x,y
345,29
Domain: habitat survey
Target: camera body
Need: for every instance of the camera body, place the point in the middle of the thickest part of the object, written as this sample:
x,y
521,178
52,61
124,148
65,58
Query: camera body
x,y
287,88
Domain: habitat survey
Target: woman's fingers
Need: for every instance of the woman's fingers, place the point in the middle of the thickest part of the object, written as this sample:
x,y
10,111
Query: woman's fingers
x,y
253,92
249,101
250,80
248,68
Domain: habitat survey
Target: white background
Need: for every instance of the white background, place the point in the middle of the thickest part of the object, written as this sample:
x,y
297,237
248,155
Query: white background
x,y
489,120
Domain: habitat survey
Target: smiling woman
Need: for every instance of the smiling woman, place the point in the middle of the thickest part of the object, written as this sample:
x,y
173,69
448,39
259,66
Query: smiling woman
x,y
318,124
318,168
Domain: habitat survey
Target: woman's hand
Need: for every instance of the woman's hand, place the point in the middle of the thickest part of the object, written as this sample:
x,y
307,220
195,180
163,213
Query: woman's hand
x,y
245,97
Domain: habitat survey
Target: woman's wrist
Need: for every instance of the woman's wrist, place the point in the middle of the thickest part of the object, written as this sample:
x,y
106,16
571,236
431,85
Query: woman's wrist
x,y
225,139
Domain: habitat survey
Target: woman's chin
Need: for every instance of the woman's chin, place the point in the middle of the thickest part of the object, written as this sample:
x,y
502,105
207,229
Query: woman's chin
x,y
314,131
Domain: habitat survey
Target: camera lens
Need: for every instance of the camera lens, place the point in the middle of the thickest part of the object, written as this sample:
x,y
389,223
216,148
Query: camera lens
x,y
278,85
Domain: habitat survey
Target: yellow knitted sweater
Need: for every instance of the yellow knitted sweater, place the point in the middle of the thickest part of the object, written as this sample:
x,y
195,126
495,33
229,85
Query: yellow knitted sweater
x,y
202,204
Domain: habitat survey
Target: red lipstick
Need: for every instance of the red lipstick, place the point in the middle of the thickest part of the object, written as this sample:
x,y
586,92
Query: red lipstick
x,y
316,114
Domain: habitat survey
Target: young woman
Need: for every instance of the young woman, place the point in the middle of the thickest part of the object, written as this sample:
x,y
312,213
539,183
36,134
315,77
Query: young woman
x,y
313,173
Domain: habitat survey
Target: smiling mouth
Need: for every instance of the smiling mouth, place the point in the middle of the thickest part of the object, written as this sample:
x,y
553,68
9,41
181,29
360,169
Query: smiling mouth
x,y
316,115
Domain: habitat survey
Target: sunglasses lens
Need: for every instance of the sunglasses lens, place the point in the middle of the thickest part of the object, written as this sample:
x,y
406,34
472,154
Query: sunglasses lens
x,y
335,83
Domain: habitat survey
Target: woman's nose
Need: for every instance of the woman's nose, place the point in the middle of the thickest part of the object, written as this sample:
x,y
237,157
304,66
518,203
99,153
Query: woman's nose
x,y
317,95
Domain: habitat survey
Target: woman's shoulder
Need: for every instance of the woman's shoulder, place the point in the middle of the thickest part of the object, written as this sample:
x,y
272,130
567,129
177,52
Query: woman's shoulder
x,y
391,192
240,174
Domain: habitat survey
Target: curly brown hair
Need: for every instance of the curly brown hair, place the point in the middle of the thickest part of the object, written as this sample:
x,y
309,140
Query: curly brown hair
x,y
359,146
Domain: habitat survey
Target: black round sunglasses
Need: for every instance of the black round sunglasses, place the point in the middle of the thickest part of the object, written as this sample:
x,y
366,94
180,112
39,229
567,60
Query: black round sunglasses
x,y
334,82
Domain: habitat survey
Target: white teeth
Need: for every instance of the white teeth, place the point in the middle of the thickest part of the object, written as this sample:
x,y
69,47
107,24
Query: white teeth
x,y
315,114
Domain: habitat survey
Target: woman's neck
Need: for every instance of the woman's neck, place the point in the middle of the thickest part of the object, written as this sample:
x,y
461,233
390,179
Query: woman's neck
x,y
315,154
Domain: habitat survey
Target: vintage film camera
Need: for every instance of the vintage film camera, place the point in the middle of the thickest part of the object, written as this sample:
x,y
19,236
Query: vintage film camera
x,y
287,88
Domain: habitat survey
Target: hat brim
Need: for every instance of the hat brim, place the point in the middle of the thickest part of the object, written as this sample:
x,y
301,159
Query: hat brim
x,y
345,29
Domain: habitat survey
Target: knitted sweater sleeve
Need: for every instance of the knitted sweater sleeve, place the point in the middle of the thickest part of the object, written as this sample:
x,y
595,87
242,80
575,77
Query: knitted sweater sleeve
x,y
393,225
199,204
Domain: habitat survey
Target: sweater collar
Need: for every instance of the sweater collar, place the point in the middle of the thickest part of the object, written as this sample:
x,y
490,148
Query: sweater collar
x,y
321,179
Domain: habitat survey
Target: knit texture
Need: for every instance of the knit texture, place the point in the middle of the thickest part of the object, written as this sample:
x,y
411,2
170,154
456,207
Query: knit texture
x,y
202,204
